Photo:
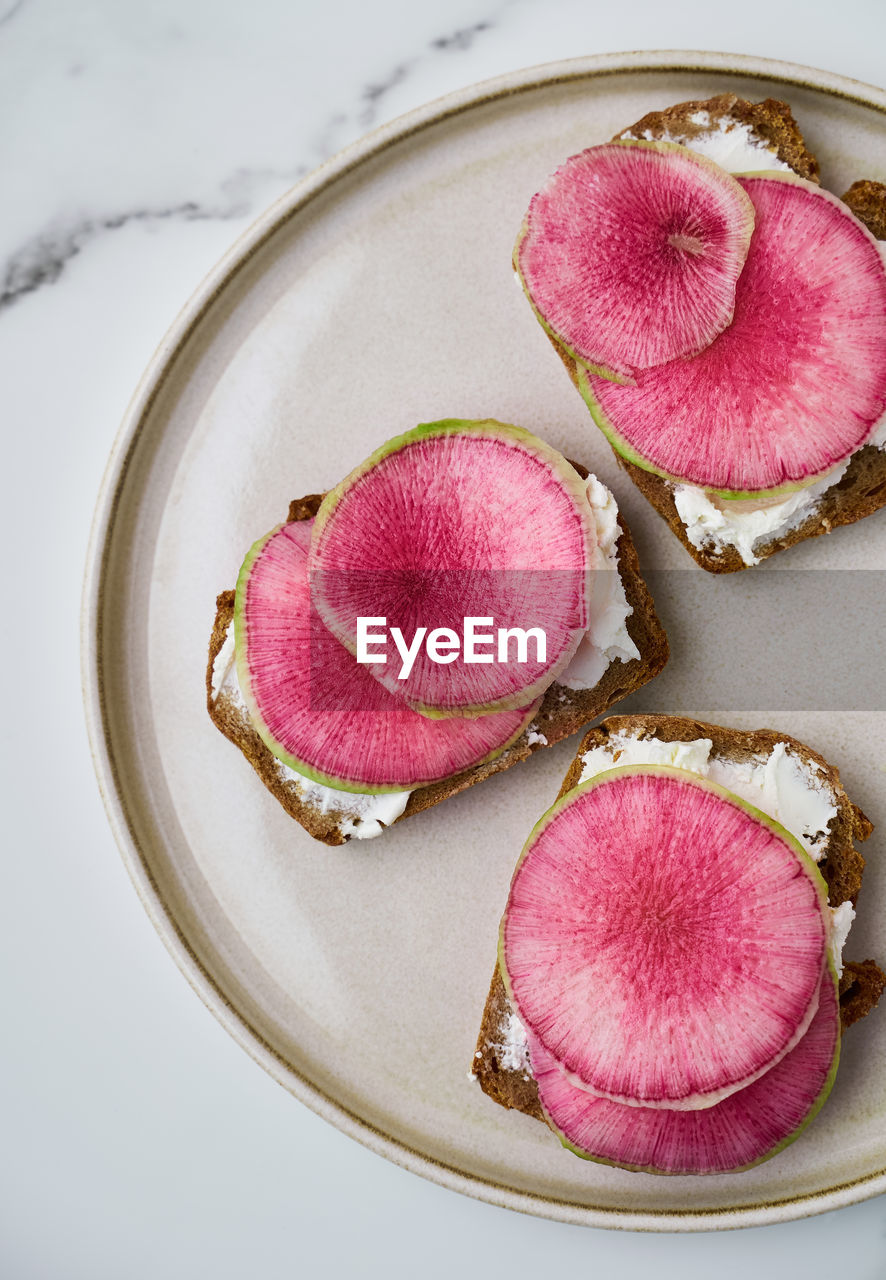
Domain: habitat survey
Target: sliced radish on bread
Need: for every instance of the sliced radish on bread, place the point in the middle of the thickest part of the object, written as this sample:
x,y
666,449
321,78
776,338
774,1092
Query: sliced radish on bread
x,y
662,939
796,382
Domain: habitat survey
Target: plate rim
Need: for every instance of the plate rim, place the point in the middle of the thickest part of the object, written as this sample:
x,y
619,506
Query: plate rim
x,y
108,506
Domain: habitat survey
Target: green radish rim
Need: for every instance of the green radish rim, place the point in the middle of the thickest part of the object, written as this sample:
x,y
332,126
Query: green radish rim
x,y
241,646
561,470
621,376
703,783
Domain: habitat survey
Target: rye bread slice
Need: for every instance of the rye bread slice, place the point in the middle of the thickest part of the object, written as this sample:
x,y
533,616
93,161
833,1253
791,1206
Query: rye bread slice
x,y
771,123
563,711
506,1078
862,489
867,200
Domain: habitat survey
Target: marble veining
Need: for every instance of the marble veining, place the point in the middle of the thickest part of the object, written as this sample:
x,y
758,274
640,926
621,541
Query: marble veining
x,y
10,11
456,41
374,94
464,37
41,260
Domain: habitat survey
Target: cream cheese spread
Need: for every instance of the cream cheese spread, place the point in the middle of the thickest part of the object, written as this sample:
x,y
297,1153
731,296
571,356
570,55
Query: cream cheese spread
x,y
732,145
841,922
606,639
364,816
512,1051
713,522
878,436
224,671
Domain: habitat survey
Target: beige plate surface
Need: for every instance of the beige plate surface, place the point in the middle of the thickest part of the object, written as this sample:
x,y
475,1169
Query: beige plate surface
x,y
375,295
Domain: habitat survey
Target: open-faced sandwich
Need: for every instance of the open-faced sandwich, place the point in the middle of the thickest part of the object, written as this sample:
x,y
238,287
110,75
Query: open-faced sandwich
x,y
724,318
463,598
670,991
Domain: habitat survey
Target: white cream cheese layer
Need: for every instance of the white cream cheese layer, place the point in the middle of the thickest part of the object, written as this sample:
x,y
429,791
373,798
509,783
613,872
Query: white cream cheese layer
x,y
606,639
782,785
718,523
224,671
510,1046
732,145
512,1050
712,521
841,923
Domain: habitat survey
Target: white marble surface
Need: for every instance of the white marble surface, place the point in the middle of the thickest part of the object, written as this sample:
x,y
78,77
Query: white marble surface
x,y
137,140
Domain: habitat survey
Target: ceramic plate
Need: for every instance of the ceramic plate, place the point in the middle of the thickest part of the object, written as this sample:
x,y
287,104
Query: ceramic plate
x,y
376,295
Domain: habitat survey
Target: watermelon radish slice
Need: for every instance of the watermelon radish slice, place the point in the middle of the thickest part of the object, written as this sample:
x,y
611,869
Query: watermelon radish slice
x,y
631,252
450,521
743,1130
797,381
663,939
322,713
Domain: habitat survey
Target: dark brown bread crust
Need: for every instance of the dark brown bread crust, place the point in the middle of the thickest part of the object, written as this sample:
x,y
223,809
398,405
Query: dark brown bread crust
x,y
862,489
563,711
860,492
862,983
509,1088
867,200
771,120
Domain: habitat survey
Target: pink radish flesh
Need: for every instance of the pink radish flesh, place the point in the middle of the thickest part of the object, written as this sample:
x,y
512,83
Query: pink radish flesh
x,y
631,252
745,1128
320,711
661,939
459,520
797,381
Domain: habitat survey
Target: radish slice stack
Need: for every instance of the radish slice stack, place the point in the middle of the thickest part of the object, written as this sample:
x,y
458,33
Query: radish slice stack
x,y
744,1129
666,947
453,520
728,332
797,381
